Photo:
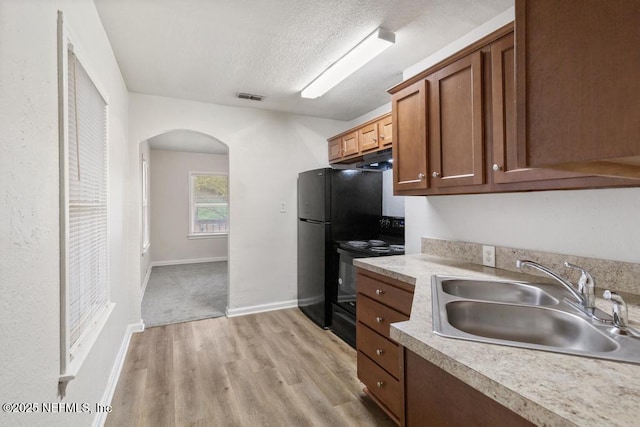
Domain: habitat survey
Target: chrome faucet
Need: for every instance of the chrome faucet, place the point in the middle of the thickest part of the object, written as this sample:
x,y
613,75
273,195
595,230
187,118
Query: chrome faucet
x,y
585,295
586,287
620,320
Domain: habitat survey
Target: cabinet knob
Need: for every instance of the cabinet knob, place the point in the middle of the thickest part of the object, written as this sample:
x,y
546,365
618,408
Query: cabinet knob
x,y
380,384
379,319
375,139
420,176
497,167
379,292
435,174
381,136
379,352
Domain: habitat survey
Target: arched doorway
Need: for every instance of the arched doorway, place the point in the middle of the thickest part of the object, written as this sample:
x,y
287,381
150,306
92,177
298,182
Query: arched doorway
x,y
185,229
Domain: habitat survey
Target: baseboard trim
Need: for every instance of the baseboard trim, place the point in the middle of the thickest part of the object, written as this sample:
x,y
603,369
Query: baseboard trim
x,y
101,417
242,311
146,281
187,261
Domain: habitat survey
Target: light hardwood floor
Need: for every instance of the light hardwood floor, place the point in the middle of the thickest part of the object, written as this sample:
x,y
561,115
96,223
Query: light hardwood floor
x,y
267,369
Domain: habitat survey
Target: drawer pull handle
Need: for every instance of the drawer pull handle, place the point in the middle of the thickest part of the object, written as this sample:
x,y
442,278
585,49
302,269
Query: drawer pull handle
x,y
379,352
380,384
379,292
379,319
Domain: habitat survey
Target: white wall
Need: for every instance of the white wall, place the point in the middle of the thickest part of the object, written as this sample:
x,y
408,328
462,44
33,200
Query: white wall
x,y
483,30
593,223
267,150
391,205
170,206
29,217
376,112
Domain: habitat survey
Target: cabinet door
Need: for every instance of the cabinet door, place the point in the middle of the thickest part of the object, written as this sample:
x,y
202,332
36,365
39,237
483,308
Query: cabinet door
x,y
578,86
437,396
503,101
368,137
335,149
350,144
410,138
456,139
385,131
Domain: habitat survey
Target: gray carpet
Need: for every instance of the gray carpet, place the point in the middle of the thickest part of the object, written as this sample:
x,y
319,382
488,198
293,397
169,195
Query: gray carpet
x,y
180,293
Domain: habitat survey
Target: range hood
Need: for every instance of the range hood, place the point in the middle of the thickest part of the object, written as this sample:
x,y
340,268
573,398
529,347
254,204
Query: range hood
x,y
380,160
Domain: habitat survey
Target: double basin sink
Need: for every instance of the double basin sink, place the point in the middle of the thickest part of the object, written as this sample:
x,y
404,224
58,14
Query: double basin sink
x,y
530,315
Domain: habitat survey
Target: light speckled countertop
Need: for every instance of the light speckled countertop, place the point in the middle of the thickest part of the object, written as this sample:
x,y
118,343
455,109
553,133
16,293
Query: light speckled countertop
x,y
545,388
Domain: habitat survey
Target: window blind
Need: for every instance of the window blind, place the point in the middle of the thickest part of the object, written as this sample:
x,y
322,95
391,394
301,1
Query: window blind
x,y
87,202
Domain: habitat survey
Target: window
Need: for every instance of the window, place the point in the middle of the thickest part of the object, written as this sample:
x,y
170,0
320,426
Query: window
x,y
145,206
208,204
85,304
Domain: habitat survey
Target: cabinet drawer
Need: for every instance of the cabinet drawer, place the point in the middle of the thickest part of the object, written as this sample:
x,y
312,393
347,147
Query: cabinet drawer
x,y
377,316
386,388
389,295
379,349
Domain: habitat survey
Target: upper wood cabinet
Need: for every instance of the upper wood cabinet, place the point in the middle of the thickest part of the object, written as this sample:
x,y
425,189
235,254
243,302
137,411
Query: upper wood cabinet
x,y
368,137
465,139
335,149
504,165
578,86
456,139
385,131
350,146
409,109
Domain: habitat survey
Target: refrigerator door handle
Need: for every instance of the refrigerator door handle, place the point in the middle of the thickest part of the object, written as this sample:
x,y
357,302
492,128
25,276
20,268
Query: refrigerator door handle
x,y
313,221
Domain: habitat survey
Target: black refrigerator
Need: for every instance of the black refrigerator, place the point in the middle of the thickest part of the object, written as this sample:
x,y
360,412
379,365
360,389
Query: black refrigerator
x,y
333,205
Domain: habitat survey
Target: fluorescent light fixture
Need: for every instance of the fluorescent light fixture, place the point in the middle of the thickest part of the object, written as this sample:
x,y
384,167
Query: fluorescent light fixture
x,y
364,52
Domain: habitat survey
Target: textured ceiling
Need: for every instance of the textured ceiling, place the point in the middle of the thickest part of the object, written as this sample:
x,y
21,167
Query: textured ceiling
x,y
187,140
209,50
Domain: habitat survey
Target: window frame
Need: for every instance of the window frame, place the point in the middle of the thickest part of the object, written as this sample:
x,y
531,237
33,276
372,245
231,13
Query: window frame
x,y
146,226
191,234
73,355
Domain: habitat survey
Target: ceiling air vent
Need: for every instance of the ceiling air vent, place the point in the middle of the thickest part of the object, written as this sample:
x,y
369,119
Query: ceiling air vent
x,y
250,96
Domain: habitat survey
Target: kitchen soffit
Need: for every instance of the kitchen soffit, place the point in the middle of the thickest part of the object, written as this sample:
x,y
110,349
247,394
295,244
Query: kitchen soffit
x,y
209,50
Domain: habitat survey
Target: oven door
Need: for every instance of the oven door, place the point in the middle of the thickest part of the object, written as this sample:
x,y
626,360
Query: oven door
x,y
346,290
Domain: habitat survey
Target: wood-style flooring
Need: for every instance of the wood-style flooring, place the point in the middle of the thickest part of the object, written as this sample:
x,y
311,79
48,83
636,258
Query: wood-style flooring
x,y
268,369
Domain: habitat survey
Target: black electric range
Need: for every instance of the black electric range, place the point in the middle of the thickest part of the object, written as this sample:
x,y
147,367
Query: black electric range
x,y
390,241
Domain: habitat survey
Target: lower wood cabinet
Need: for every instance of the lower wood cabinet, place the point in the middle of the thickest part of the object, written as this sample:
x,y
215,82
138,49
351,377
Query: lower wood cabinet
x,y
434,397
380,302
410,389
382,385
385,352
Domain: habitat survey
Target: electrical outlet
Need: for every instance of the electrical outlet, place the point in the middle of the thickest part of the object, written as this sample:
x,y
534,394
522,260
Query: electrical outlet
x,y
489,256
283,207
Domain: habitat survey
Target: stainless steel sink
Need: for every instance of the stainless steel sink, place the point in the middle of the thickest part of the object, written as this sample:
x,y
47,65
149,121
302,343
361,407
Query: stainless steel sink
x,y
509,292
534,316
527,324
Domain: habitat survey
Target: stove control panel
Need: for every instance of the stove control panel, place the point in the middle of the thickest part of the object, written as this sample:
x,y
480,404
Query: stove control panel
x,y
392,224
